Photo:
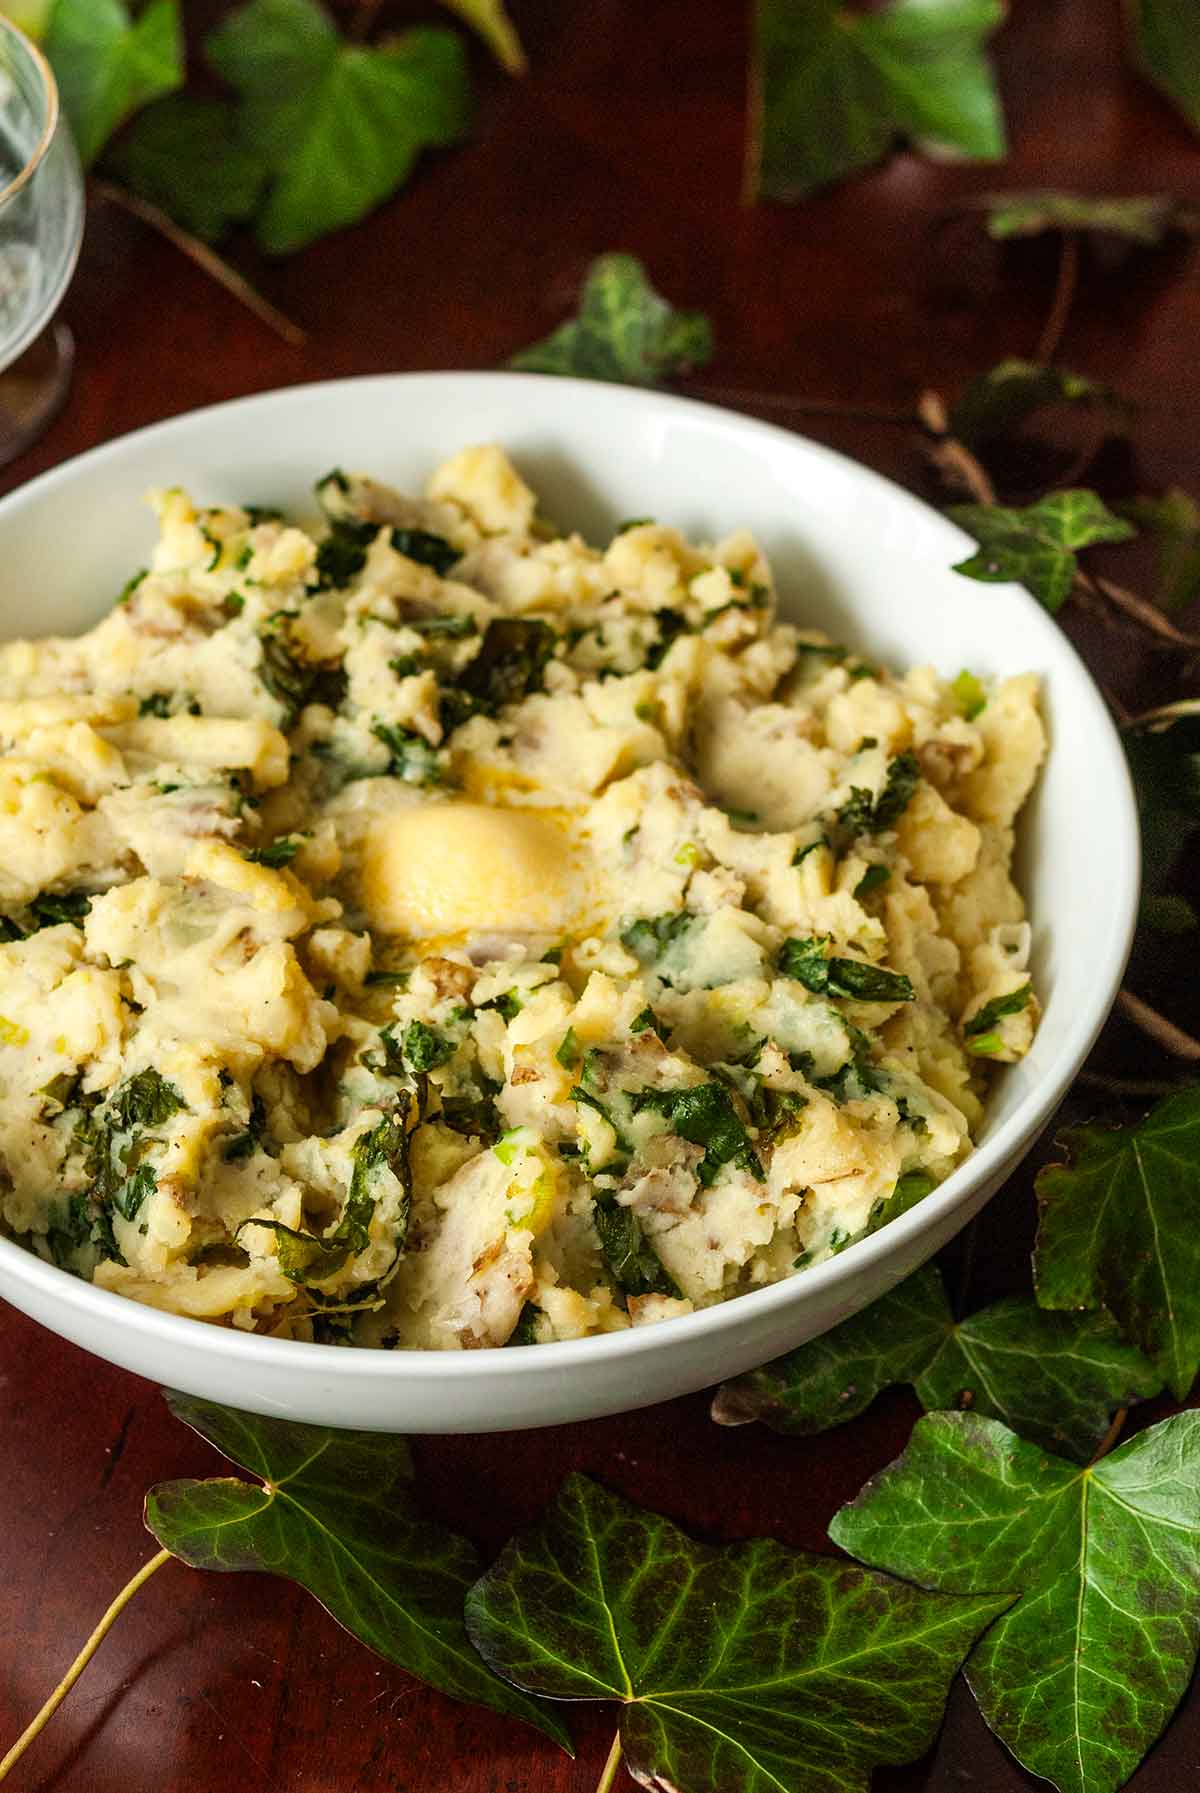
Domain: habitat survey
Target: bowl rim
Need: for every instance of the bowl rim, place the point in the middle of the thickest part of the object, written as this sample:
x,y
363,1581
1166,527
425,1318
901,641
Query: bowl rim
x,y
988,1161
53,110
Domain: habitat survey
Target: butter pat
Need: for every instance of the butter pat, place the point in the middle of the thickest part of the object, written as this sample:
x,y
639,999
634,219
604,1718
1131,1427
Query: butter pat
x,y
451,868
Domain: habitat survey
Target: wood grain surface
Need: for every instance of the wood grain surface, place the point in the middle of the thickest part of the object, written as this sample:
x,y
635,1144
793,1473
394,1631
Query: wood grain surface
x,y
626,134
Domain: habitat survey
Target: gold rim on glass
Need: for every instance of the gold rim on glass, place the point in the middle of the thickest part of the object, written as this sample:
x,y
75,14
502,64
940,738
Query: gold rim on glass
x,y
50,87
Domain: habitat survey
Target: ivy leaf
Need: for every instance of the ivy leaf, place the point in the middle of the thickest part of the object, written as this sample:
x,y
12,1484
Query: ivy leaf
x,y
1165,761
1117,1228
335,1514
832,90
1162,36
1013,391
1055,1378
338,125
1173,523
751,1668
1037,545
1081,1676
107,63
186,156
1147,218
625,331
491,21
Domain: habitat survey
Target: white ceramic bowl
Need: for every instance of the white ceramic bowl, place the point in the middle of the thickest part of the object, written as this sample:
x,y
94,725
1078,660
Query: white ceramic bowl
x,y
853,554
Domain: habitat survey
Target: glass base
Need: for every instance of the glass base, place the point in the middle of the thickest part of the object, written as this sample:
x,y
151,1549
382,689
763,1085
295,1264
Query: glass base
x,y
33,390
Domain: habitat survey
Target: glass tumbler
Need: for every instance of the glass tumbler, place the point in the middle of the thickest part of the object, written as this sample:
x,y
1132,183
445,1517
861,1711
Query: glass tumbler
x,y
41,228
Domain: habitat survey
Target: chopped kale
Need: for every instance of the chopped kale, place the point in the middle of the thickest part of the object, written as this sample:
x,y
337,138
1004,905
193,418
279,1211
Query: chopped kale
x,y
510,664
874,878
305,1257
706,1116
450,624
903,777
419,1048
244,1145
525,1330
295,681
131,585
261,513
671,625
157,704
473,1115
858,1077
856,815
343,553
429,549
647,1021
582,1096
145,1100
649,938
335,477
863,813
634,1266
984,1020
51,909
802,853
399,979
413,759
910,1189
806,961
278,852
569,1050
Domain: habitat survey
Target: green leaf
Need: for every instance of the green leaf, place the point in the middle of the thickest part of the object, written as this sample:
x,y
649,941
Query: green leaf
x,y
186,156
1081,1676
1056,1379
910,1189
633,1264
751,1669
107,64
1147,219
338,125
1037,546
1012,392
1173,523
491,21
1162,36
625,332
1117,1229
806,961
1165,762
832,90
335,1514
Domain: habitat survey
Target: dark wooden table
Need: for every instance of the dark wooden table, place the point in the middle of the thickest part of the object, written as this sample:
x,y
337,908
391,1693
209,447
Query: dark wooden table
x,y
627,134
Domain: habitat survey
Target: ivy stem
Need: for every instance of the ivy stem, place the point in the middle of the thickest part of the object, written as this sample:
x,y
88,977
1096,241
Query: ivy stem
x,y
35,1728
1134,1087
1110,1437
1148,616
608,1778
1064,297
212,264
1164,1033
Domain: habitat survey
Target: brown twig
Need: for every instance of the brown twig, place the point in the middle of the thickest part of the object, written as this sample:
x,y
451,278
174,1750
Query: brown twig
x,y
1164,1033
205,258
1148,616
1065,289
1136,1088
1110,1437
952,458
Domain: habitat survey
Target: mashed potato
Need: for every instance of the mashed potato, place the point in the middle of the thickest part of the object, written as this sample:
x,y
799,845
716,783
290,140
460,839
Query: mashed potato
x,y
434,931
